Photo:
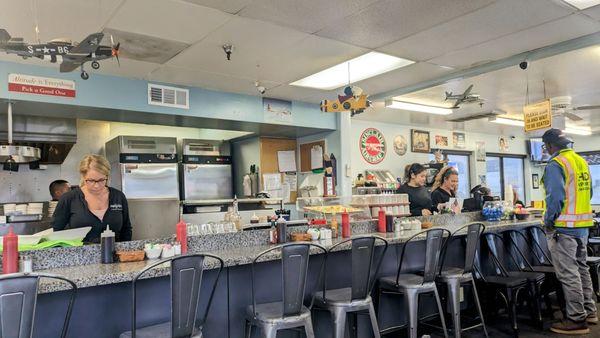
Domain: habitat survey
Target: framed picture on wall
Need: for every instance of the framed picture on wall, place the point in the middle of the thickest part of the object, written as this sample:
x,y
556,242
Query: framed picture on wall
x,y
535,181
419,141
458,140
480,151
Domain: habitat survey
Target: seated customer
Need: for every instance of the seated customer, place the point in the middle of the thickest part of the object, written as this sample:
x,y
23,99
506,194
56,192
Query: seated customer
x,y
58,188
444,187
418,195
95,204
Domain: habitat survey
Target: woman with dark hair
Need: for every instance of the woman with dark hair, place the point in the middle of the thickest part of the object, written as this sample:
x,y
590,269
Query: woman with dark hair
x,y
419,197
444,187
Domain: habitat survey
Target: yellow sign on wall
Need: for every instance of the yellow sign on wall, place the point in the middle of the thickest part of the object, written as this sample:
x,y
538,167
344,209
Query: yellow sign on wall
x,y
538,115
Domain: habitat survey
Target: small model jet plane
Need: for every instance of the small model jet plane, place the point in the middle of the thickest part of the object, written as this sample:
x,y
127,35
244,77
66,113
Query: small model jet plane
x,y
353,100
70,55
465,97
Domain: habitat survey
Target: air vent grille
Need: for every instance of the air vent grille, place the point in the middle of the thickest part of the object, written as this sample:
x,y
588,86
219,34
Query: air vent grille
x,y
168,96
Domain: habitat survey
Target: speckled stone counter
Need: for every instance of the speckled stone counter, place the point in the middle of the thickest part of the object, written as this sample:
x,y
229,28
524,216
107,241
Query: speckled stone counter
x,y
82,264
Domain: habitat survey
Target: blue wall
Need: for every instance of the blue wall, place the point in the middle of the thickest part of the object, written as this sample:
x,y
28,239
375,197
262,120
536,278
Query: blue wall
x,y
129,94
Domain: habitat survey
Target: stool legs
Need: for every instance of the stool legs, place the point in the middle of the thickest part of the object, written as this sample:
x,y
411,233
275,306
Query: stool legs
x,y
478,305
453,286
374,323
412,299
308,327
441,312
339,322
269,331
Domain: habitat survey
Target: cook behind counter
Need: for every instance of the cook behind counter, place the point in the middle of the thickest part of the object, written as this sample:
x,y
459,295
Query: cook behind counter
x,y
72,212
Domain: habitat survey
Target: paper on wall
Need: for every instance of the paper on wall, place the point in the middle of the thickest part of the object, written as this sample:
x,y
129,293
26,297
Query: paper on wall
x,y
272,181
292,180
316,157
286,161
285,193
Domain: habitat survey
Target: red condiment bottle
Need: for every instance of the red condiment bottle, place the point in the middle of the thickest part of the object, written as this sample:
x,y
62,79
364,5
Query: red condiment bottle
x,y
10,252
346,232
181,233
381,224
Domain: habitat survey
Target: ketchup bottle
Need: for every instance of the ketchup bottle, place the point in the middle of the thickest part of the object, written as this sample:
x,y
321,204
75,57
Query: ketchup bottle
x,y
10,253
181,233
346,233
381,221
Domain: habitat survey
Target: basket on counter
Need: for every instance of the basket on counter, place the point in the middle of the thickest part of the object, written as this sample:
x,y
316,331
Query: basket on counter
x,y
131,256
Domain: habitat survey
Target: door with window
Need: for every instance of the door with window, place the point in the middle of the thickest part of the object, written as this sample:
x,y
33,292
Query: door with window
x,y
502,171
460,162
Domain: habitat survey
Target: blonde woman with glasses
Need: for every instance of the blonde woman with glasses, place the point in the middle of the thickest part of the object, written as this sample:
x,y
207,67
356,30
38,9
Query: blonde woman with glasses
x,y
94,203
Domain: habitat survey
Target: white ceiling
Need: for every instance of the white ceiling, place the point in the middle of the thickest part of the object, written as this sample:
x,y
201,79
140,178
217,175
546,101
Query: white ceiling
x,y
290,39
574,74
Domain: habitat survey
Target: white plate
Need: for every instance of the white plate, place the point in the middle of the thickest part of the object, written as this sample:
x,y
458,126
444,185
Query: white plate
x,y
27,239
68,235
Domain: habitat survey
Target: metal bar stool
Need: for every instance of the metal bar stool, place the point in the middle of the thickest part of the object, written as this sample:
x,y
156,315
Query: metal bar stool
x,y
357,298
411,285
454,277
290,312
186,281
535,280
18,297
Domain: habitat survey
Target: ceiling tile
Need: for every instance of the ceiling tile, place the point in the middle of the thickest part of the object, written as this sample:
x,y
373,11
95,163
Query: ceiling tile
x,y
72,19
168,19
390,20
207,80
402,77
498,19
228,6
253,42
305,15
594,12
306,57
142,47
288,92
129,68
547,34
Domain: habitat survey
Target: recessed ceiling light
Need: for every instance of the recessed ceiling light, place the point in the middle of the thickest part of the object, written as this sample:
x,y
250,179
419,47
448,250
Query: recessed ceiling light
x,y
417,107
510,122
583,4
357,69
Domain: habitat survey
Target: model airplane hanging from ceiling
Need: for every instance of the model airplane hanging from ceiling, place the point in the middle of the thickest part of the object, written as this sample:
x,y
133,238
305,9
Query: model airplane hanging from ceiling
x,y
353,101
70,55
466,97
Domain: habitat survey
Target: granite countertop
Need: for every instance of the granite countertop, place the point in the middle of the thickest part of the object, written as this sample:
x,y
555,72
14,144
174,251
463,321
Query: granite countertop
x,y
233,254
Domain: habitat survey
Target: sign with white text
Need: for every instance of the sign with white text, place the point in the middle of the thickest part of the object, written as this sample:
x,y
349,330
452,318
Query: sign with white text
x,y
29,84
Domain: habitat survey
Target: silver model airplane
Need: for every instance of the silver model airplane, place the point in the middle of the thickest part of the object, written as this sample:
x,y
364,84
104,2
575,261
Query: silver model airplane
x,y
70,55
465,97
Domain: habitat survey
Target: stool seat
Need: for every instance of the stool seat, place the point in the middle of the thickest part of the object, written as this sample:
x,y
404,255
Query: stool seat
x,y
406,281
340,297
594,240
454,273
529,275
273,313
162,330
506,281
592,260
543,268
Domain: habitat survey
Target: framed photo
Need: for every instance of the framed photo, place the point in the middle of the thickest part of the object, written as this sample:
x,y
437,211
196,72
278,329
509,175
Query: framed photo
x,y
503,144
458,140
419,141
535,181
480,151
441,141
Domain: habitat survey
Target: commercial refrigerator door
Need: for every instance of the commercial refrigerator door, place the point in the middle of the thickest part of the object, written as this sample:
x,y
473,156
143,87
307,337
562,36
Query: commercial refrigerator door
x,y
143,180
207,181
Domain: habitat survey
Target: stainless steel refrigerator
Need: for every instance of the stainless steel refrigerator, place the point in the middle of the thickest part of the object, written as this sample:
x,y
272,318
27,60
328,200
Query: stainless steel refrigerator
x,y
206,172
145,169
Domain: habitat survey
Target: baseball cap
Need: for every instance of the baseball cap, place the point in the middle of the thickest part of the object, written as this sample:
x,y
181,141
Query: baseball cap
x,y
556,137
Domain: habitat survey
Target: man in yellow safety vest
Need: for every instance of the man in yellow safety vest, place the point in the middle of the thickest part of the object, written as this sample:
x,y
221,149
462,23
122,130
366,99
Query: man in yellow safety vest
x,y
568,216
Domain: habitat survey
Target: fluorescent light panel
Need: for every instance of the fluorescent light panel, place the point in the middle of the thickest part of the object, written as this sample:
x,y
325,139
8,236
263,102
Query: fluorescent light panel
x,y
585,131
583,4
509,122
362,67
417,107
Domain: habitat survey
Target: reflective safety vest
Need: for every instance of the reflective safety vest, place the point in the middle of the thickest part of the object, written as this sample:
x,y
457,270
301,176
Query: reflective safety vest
x,y
577,209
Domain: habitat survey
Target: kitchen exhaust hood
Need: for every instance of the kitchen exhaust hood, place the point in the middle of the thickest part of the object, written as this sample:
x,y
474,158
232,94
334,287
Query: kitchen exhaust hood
x,y
53,137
